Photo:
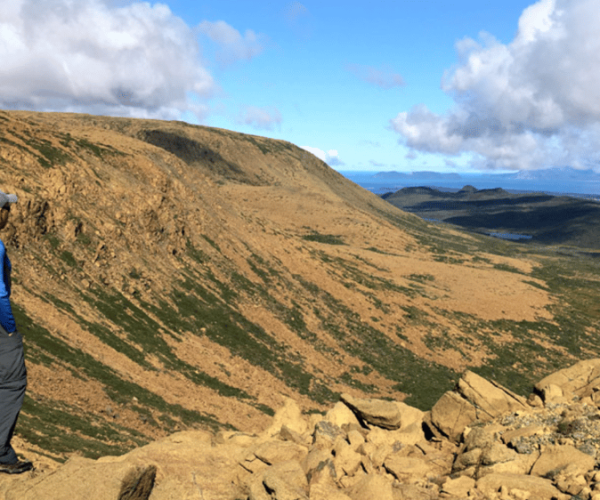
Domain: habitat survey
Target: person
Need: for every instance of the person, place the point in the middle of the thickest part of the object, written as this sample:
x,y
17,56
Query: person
x,y
13,374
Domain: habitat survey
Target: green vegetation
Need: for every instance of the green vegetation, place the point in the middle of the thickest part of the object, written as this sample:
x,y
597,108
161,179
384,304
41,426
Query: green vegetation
x,y
378,352
64,428
68,258
49,155
98,150
329,239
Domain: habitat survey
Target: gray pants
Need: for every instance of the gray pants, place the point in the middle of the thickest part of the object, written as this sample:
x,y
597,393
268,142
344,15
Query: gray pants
x,y
13,381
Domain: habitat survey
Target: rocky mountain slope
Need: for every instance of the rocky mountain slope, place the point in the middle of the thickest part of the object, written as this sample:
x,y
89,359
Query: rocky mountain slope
x,y
479,441
172,277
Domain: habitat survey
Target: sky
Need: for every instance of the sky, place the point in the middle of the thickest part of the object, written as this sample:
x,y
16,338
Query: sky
x,y
449,86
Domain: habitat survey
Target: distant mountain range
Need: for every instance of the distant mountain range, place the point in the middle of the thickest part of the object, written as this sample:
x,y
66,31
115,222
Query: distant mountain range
x,y
422,174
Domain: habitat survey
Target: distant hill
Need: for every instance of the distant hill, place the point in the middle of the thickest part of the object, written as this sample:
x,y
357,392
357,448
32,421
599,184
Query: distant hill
x,y
549,220
171,277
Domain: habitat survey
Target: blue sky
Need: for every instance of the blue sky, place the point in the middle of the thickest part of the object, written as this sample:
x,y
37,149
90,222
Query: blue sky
x,y
381,85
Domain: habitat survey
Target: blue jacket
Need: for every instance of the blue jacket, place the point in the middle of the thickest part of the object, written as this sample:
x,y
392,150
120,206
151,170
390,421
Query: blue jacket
x,y
7,319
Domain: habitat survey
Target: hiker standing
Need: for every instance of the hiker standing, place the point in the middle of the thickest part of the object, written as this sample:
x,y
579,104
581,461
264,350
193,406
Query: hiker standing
x,y
13,374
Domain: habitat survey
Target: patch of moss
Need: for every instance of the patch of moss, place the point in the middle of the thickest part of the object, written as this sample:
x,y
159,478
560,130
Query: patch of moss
x,y
328,239
68,258
66,429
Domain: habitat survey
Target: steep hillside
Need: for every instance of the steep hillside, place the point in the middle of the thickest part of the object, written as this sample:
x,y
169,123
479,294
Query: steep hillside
x,y
169,276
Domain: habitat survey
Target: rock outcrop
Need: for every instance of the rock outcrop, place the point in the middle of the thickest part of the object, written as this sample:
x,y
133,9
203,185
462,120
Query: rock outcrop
x,y
479,441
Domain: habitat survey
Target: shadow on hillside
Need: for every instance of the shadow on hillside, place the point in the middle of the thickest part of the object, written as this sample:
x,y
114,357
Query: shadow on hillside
x,y
193,153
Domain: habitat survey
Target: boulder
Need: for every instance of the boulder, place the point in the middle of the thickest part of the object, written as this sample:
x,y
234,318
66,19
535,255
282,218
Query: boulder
x,y
385,414
340,415
372,488
84,478
552,393
347,461
459,487
555,458
416,492
286,481
322,492
521,464
322,473
539,488
276,451
512,437
409,469
451,414
489,398
287,434
355,438
288,415
325,435
577,380
186,462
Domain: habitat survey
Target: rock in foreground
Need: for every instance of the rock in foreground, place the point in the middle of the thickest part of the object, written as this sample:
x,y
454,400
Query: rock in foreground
x,y
479,441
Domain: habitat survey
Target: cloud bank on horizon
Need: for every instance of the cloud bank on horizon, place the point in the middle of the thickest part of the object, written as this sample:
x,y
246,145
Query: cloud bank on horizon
x,y
532,103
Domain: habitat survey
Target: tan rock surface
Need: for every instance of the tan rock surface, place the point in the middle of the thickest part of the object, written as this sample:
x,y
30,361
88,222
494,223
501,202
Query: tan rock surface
x,y
340,415
459,487
342,464
578,379
539,488
385,414
84,478
490,398
555,458
409,469
286,481
451,414
372,488
321,492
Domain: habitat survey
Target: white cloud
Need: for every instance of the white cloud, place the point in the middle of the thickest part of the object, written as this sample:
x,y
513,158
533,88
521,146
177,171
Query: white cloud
x,y
91,56
232,45
330,157
532,103
260,118
384,78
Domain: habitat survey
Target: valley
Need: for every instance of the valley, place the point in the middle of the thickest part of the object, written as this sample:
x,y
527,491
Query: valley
x,y
171,277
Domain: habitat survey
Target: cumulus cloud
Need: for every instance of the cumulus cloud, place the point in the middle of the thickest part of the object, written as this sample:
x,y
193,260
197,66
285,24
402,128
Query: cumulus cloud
x,y
531,103
91,56
260,118
384,78
330,157
232,45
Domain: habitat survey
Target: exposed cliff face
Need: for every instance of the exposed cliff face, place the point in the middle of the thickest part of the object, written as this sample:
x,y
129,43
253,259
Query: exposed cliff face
x,y
170,277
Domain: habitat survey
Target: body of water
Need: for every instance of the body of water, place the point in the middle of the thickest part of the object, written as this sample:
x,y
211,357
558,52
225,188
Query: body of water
x,y
385,184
